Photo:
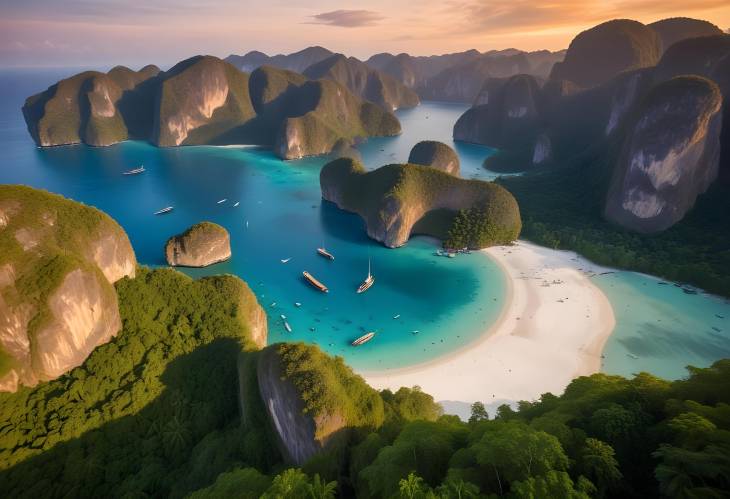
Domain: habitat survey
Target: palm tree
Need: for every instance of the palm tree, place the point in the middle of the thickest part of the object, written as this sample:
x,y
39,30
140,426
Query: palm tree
x,y
320,489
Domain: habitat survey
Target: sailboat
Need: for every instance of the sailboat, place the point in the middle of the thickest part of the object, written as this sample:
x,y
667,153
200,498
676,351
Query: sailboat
x,y
323,252
135,171
167,209
369,281
222,201
285,260
363,339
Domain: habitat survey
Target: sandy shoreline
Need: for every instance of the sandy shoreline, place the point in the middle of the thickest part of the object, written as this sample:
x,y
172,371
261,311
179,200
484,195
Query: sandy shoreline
x,y
552,329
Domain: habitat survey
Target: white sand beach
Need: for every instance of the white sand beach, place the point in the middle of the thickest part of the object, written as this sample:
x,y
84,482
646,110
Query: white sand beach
x,y
552,329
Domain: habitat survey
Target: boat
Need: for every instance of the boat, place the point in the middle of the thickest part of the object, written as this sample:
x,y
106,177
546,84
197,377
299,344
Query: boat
x,y
237,203
135,171
283,317
719,316
451,255
222,201
323,252
368,282
285,260
287,326
164,210
363,339
297,304
632,356
396,316
314,282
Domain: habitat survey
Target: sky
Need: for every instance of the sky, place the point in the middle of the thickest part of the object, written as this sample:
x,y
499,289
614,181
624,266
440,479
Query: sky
x,y
103,33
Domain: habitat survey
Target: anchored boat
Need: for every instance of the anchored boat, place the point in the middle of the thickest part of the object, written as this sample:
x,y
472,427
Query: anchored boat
x,y
135,171
363,339
314,282
369,281
323,252
167,209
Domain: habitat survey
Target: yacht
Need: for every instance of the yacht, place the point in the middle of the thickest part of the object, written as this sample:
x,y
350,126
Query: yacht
x,y
285,260
287,326
222,201
368,282
363,339
314,282
135,171
167,209
237,203
323,252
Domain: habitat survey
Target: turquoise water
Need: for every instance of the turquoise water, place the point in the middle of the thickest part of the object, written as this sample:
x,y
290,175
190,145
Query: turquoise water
x,y
660,329
449,301
281,215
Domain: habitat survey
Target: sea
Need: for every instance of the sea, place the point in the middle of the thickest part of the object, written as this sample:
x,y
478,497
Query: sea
x,y
421,306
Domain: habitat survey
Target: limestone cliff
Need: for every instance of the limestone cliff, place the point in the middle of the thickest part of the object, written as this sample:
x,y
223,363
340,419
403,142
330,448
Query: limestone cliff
x,y
308,421
399,200
676,29
58,262
670,155
201,245
602,52
437,155
365,82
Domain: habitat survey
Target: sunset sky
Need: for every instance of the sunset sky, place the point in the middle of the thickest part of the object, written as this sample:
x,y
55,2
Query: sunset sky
x,y
109,32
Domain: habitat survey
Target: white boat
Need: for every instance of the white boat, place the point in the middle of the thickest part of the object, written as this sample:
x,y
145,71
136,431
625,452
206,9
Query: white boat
x,y
287,326
396,316
323,252
273,304
164,210
368,282
237,203
363,339
222,201
283,317
297,304
285,260
247,224
135,171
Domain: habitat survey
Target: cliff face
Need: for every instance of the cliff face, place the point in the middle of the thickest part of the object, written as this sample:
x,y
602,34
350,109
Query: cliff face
x,y
602,52
85,108
365,82
399,200
58,262
200,101
201,245
437,155
670,155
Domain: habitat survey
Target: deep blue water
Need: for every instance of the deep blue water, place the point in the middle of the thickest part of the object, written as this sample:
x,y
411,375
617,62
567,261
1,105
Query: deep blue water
x,y
280,215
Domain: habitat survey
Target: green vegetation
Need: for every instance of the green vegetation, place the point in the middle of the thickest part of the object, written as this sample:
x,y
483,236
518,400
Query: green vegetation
x,y
563,208
153,411
328,386
435,154
431,198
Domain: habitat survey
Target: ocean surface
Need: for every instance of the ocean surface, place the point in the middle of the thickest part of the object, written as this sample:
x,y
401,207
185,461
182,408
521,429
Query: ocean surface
x,y
441,304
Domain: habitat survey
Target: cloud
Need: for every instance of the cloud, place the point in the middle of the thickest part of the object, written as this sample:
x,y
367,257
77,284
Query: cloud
x,y
348,18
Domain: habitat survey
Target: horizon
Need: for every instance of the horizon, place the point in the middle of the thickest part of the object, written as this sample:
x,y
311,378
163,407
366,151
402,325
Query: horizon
x,y
86,34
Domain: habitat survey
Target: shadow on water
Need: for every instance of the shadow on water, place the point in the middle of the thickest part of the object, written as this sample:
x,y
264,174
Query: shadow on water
x,y
342,225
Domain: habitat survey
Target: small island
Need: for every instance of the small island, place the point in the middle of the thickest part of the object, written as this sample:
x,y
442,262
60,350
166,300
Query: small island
x,y
203,244
399,200
437,155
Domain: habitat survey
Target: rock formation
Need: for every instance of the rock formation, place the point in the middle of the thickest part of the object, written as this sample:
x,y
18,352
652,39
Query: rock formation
x,y
58,262
602,52
676,29
365,82
297,61
203,244
399,200
204,100
669,157
436,155
308,421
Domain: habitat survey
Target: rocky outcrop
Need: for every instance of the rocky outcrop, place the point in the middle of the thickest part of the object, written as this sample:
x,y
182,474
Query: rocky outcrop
x,y
670,155
436,155
396,201
58,262
203,244
676,29
305,424
698,56
602,52
365,82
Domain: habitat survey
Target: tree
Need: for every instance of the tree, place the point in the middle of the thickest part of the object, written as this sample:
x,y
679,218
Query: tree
x,y
600,465
412,487
551,484
320,489
478,412
291,484
457,489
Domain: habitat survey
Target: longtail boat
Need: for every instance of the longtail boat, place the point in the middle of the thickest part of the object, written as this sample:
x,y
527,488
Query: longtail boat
x,y
314,282
363,339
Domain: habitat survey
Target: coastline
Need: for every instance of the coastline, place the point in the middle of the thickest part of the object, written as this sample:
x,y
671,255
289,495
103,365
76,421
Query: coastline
x,y
552,329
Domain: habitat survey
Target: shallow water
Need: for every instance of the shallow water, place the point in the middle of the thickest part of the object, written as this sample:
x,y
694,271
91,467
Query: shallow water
x,y
449,301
